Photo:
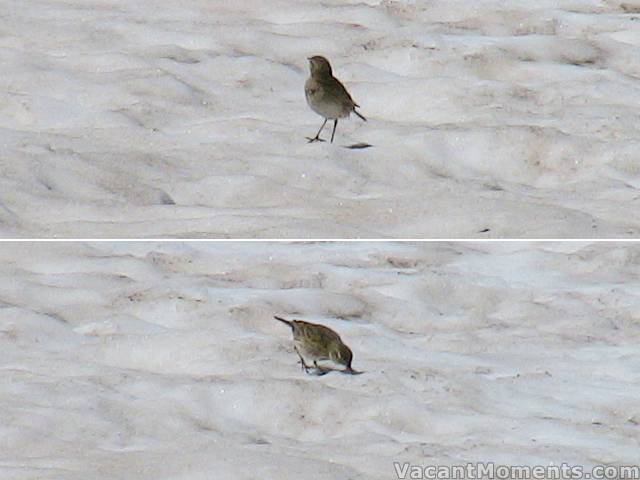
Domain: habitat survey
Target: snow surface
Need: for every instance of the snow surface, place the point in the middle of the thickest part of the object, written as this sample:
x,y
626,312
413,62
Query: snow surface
x,y
162,361
488,118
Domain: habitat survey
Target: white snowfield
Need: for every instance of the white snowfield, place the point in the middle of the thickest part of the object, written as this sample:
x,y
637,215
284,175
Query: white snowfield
x,y
163,361
487,118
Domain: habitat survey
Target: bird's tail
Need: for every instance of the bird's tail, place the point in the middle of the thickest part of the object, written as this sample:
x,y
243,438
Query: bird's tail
x,y
358,113
283,320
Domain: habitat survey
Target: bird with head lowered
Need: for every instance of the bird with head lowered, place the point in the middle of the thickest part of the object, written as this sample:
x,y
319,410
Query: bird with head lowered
x,y
314,342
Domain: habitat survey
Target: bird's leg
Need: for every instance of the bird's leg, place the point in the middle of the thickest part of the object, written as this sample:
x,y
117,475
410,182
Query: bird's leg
x,y
335,124
320,370
318,367
317,137
303,365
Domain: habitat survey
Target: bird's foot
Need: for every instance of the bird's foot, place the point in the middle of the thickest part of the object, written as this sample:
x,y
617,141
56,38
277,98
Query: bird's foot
x,y
351,371
314,139
319,371
304,366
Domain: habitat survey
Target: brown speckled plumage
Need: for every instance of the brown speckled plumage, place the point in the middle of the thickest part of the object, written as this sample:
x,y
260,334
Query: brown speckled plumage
x,y
314,342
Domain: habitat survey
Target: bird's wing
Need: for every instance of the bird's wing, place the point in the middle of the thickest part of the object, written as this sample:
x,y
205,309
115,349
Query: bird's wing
x,y
338,88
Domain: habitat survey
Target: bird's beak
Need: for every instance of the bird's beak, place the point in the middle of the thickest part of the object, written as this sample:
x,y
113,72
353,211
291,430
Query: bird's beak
x,y
309,58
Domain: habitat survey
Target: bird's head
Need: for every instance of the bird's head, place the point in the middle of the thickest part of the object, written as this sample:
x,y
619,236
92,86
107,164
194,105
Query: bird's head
x,y
341,354
319,66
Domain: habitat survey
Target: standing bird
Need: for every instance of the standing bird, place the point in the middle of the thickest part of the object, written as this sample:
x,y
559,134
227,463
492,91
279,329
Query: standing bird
x,y
327,96
317,342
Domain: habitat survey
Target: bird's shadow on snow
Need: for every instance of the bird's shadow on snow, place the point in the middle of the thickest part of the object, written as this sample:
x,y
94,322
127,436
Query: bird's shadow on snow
x,y
321,370
353,146
359,146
